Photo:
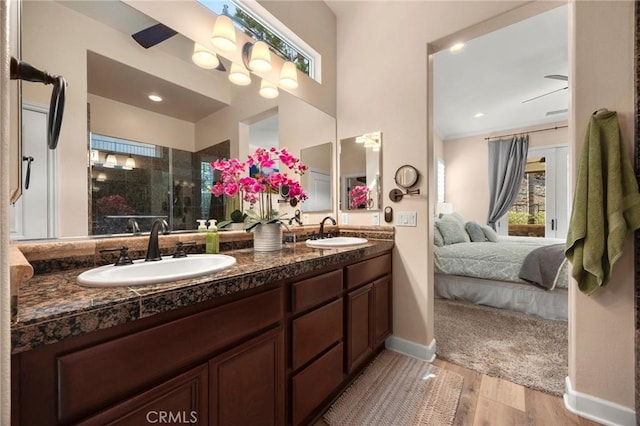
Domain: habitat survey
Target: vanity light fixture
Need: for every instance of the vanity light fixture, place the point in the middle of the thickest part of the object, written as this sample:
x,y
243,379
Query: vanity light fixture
x,y
130,164
268,89
155,98
204,58
256,57
224,34
101,177
110,161
239,75
289,75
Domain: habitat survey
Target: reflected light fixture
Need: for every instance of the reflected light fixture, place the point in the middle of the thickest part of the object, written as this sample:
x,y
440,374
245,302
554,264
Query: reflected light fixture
x,y
101,177
289,75
155,98
224,34
456,47
256,57
130,164
204,58
268,89
110,161
239,75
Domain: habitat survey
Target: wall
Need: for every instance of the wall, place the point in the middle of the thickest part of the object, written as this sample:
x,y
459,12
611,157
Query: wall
x,y
601,327
466,161
124,121
390,95
373,94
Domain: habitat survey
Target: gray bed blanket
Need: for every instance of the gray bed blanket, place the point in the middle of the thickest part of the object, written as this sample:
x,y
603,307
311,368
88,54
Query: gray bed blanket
x,y
543,265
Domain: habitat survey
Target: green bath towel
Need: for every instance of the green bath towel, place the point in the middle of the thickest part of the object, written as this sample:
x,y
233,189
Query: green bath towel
x,y
606,205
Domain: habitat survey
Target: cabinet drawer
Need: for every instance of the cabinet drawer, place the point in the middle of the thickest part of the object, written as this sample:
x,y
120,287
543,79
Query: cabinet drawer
x,y
308,293
368,270
315,383
316,331
92,378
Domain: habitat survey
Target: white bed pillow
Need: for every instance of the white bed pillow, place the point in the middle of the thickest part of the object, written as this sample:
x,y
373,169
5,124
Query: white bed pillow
x,y
475,231
490,234
456,218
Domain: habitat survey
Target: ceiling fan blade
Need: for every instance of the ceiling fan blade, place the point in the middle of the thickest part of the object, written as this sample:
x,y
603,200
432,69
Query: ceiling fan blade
x,y
557,77
546,94
153,35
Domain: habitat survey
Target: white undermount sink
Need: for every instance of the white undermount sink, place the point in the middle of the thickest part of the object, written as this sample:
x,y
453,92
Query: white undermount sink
x,y
167,269
336,242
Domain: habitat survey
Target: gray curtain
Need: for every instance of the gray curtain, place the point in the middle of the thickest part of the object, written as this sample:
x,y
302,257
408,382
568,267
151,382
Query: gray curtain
x,y
507,160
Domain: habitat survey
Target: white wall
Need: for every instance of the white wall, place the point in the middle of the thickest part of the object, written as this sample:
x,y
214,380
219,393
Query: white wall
x,y
466,163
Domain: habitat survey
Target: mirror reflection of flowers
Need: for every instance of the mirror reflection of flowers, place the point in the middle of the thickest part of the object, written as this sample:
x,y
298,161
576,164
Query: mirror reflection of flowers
x,y
359,197
113,205
258,188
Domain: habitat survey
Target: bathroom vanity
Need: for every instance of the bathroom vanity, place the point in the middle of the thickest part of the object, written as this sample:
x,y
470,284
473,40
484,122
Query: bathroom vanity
x,y
272,340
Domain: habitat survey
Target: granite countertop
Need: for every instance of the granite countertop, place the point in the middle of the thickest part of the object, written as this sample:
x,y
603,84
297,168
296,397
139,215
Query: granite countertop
x,y
52,307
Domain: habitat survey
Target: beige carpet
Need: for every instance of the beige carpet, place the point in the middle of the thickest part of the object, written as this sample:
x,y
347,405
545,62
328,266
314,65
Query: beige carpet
x,y
398,390
527,350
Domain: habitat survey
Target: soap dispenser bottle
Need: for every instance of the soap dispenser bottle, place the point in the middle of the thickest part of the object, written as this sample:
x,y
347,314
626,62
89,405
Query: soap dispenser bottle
x,y
212,242
203,225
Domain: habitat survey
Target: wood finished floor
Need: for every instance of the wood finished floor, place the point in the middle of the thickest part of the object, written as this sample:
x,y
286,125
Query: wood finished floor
x,y
489,401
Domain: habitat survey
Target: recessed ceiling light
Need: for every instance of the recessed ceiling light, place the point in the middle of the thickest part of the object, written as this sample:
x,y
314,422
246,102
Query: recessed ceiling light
x,y
155,98
456,47
479,114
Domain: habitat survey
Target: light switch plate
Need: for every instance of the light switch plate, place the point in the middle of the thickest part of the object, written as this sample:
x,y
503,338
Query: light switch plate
x,y
375,219
406,219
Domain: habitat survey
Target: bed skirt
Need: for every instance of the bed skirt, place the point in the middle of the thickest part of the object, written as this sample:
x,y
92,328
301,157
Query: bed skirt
x,y
518,297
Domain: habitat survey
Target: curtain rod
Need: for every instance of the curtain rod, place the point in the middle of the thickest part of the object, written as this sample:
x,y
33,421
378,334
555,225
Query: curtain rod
x,y
531,131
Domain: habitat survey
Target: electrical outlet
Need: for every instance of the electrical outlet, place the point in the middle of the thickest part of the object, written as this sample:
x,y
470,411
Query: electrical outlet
x,y
375,219
305,219
344,219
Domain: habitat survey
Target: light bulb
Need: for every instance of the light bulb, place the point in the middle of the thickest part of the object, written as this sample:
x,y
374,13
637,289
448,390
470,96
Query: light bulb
x,y
289,76
239,75
224,34
203,57
268,89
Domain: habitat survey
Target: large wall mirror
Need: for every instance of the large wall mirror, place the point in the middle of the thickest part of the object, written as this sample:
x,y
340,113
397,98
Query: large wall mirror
x,y
122,155
360,172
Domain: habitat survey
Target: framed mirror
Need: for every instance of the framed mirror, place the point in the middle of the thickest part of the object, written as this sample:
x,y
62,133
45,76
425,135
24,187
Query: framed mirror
x,y
318,181
109,76
406,176
360,172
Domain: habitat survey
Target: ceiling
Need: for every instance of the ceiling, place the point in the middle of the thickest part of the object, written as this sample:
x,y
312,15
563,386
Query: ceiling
x,y
493,74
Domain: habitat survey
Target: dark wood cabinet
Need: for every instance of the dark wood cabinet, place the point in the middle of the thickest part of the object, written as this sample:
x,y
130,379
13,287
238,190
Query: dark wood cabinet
x,y
246,384
275,355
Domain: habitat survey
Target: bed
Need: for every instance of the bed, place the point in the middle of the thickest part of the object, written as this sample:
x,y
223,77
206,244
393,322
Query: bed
x,y
487,273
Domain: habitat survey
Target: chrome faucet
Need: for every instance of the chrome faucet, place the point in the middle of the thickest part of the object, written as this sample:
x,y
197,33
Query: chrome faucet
x,y
333,221
132,226
153,249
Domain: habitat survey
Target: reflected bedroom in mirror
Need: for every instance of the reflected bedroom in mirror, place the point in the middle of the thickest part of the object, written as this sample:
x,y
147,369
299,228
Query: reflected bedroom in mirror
x,y
142,126
360,172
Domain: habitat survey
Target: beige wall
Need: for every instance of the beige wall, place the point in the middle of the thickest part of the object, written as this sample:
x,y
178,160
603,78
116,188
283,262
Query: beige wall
x,y
124,121
466,161
390,95
601,327
372,95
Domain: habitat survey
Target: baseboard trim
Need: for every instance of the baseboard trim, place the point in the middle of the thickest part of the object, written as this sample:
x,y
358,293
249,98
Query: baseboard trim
x,y
597,409
413,349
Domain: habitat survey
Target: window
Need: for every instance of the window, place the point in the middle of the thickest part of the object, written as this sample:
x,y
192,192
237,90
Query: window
x,y
255,21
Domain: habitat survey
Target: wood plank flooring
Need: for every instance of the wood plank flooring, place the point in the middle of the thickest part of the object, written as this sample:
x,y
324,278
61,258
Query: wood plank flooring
x,y
489,401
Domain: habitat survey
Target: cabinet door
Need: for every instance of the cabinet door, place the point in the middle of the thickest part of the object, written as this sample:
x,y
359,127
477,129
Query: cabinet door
x,y
381,310
182,399
246,384
359,338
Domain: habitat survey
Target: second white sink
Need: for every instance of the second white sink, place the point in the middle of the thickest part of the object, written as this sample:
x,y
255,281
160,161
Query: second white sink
x,y
167,269
336,242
